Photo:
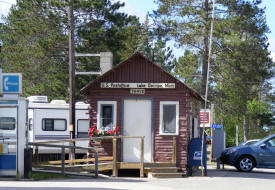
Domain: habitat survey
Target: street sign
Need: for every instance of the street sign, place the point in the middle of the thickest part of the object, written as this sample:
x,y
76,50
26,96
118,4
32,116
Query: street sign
x,y
217,126
11,83
205,118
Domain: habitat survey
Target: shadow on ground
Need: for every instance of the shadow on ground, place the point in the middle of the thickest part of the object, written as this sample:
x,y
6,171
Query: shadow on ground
x,y
231,172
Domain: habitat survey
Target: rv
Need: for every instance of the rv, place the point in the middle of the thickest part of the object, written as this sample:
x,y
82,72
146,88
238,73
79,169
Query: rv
x,y
13,119
50,121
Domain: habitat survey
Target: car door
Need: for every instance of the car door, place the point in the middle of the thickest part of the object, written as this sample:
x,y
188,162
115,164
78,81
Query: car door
x,y
266,153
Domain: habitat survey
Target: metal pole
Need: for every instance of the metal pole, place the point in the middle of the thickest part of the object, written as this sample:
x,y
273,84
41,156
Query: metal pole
x,y
63,160
206,90
211,130
96,164
71,79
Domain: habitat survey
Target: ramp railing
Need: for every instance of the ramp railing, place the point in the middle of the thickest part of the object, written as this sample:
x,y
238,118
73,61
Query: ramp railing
x,y
63,147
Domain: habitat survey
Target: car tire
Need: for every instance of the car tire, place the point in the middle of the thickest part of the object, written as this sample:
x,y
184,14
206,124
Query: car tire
x,y
245,164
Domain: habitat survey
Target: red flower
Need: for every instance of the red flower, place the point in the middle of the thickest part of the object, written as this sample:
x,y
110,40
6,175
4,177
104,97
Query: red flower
x,y
94,132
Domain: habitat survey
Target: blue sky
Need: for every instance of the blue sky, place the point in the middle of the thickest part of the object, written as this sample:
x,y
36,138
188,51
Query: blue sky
x,y
141,7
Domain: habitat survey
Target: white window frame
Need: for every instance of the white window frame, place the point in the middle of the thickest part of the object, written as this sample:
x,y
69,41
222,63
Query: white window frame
x,y
99,103
161,132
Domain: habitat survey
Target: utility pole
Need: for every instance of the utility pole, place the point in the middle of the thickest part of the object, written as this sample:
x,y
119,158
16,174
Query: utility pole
x,y
71,79
206,87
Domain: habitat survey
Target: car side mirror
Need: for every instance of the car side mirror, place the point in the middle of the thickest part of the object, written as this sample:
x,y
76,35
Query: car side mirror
x,y
263,146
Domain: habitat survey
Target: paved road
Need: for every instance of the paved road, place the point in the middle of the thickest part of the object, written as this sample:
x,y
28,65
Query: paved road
x,y
228,179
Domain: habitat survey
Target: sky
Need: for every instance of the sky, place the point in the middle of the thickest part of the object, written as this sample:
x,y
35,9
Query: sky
x,y
141,7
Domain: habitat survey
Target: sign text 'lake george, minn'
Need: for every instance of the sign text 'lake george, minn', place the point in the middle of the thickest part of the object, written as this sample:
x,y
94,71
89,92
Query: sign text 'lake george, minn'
x,y
136,85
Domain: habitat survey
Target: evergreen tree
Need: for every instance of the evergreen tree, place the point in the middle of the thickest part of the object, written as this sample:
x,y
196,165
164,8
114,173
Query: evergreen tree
x,y
243,67
187,68
34,41
240,64
152,44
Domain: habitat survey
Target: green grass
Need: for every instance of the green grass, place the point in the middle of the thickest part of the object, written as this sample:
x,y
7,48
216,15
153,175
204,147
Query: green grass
x,y
42,176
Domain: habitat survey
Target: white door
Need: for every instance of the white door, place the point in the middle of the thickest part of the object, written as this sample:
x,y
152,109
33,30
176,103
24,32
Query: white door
x,y
137,122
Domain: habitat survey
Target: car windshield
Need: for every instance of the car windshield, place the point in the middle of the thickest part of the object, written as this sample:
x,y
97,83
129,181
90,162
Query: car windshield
x,y
262,141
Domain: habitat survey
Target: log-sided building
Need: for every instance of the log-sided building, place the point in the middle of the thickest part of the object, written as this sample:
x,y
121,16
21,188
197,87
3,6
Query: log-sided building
x,y
144,100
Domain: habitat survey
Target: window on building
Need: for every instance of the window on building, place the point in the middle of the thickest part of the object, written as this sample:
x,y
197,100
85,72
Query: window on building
x,y
169,117
82,128
54,125
7,123
106,114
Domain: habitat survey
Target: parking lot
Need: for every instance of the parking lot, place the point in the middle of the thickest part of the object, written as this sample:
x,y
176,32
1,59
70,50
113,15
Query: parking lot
x,y
228,179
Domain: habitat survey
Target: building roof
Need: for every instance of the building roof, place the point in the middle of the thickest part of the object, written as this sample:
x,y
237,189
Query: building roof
x,y
131,60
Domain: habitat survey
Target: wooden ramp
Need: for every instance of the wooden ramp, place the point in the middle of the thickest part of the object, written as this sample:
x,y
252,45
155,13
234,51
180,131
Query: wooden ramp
x,y
163,170
151,170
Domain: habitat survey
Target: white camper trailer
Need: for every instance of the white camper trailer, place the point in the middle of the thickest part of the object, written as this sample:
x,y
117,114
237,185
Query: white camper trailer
x,y
50,121
13,119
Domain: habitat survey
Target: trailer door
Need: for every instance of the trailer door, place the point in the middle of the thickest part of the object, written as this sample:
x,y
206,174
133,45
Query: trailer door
x,y
8,139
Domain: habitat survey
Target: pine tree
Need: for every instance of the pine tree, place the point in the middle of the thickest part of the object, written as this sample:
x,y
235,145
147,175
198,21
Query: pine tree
x,y
34,41
240,63
153,46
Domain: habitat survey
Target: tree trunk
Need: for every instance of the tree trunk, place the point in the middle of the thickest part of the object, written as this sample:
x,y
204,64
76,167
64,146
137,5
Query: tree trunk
x,y
245,122
245,128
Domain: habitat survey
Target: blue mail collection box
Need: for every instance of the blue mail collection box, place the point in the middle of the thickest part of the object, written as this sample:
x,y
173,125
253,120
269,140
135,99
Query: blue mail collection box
x,y
195,155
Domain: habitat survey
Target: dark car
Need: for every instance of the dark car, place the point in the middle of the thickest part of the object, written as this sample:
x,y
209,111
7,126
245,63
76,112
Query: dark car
x,y
260,155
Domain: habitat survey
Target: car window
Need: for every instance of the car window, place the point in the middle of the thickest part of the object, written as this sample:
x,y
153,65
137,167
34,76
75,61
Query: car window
x,y
270,143
250,143
262,141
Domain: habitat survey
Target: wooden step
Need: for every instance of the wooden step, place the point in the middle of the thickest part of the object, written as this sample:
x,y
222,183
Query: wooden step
x,y
159,164
165,175
161,169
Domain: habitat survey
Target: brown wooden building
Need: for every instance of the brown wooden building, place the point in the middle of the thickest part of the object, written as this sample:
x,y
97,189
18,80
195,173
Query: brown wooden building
x,y
145,100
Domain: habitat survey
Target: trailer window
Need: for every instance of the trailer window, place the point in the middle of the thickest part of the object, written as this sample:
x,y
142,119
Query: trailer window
x,y
169,117
82,128
7,123
54,125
